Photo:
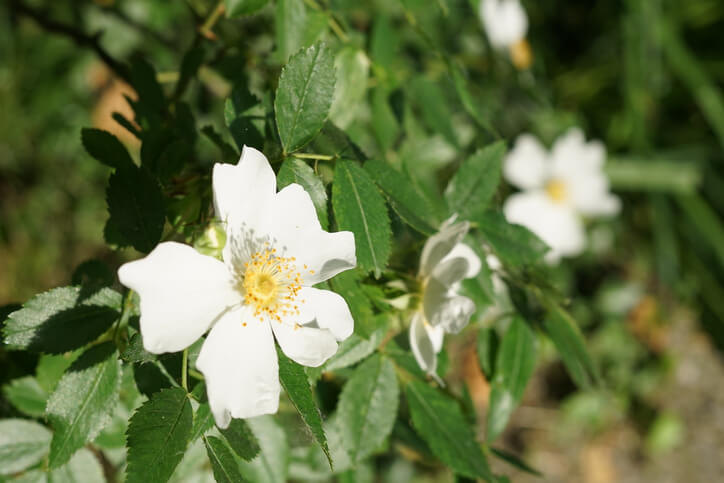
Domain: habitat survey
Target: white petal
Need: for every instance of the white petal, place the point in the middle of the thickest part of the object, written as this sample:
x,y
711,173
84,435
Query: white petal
x,y
328,310
422,346
309,346
590,194
571,154
296,232
505,21
444,308
526,165
240,366
182,292
556,224
440,244
461,250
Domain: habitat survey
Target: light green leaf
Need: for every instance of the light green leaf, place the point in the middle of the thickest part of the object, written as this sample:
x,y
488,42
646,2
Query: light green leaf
x,y
241,439
83,401
238,8
501,407
352,66
290,22
297,171
304,95
83,467
106,148
22,444
27,396
296,384
272,464
435,110
223,463
516,358
359,208
157,436
352,350
368,407
441,423
514,244
474,184
61,319
203,421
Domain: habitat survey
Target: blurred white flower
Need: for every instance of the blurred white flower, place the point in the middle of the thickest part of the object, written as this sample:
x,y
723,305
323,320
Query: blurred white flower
x,y
444,263
275,251
558,188
506,25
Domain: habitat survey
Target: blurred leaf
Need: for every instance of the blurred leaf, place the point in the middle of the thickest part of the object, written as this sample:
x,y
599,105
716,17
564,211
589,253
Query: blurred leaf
x,y
23,443
707,221
384,123
352,68
60,320
241,439
514,244
223,464
359,208
136,208
474,184
513,460
237,8
440,422
304,95
93,274
368,407
501,407
27,396
516,358
83,466
653,175
157,436
297,171
290,22
240,110
435,110
228,153
106,148
296,384
272,464
487,348
190,64
83,401
151,100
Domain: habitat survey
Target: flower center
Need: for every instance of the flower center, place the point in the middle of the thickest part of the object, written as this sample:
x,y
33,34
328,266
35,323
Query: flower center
x,y
270,284
557,190
521,55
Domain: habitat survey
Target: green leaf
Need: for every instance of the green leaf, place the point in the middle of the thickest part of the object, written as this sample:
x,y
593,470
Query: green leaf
x,y
290,22
134,351
487,348
441,423
151,100
304,95
203,421
297,171
412,207
475,182
514,244
83,401
368,407
22,444
347,285
136,206
296,384
359,207
272,463
106,148
228,153
190,64
385,125
238,8
513,460
240,111
27,396
352,350
434,107
501,407
223,463
61,320
82,467
516,358
571,346
157,436
241,439
352,67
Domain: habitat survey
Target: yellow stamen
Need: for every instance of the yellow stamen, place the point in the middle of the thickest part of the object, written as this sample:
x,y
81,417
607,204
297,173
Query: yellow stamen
x,y
521,55
557,191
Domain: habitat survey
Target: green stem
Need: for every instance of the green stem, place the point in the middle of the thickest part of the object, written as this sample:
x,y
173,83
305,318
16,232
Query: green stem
x,y
205,29
196,374
185,370
321,157
333,24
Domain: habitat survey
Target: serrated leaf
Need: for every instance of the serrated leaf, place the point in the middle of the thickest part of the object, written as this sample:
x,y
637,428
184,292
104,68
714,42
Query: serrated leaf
x,y
514,244
352,67
360,208
135,352
441,423
223,463
476,180
296,384
297,171
241,439
237,8
136,208
61,320
83,401
412,207
105,147
304,95
157,436
27,396
368,407
82,467
272,463
22,444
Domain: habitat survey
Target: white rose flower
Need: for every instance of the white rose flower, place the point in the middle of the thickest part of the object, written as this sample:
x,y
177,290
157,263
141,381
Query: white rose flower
x,y
444,263
275,251
558,189
506,25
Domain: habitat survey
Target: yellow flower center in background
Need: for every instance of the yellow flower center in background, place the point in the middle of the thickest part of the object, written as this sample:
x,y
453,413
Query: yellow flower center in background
x,y
521,55
557,190
271,284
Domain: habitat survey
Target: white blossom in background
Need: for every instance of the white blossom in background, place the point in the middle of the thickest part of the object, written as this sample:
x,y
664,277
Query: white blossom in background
x,y
275,251
506,25
559,188
444,263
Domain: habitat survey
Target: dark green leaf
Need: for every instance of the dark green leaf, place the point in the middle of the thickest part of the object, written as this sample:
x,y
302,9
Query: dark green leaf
x,y
304,95
151,100
241,439
515,461
297,171
136,206
440,422
157,436
193,58
514,244
487,349
335,142
359,207
237,8
22,444
27,396
516,358
59,320
83,401
474,184
134,351
228,153
223,463
368,407
106,148
296,384
93,274
435,110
